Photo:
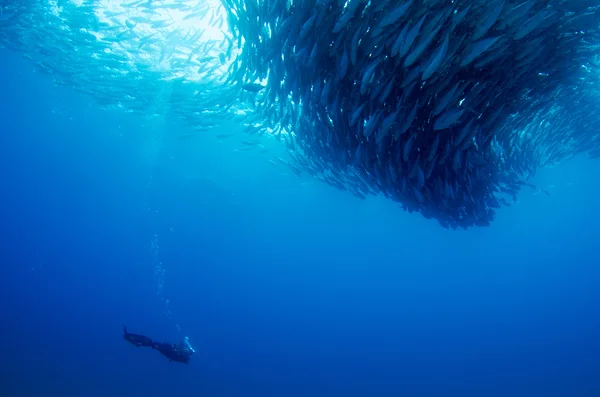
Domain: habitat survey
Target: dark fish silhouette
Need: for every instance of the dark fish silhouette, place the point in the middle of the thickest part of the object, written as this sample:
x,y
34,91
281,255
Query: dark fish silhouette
x,y
252,87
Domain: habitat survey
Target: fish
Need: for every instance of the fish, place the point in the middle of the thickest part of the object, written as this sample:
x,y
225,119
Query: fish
x,y
252,87
447,108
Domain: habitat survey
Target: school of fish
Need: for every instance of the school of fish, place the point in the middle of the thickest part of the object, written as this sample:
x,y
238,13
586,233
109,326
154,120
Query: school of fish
x,y
447,107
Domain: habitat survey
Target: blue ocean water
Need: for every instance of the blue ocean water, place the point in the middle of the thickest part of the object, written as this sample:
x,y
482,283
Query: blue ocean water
x,y
285,286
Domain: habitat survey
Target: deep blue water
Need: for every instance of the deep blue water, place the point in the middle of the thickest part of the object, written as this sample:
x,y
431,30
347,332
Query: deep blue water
x,y
285,286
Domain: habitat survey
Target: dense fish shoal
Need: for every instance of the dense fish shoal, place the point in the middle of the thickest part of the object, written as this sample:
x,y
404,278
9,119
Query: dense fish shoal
x,y
447,107
424,102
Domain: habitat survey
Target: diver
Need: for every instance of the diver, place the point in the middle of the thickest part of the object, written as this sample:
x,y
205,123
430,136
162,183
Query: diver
x,y
179,353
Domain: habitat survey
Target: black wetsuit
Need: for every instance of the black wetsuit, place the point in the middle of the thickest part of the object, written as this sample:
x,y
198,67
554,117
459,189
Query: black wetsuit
x,y
173,352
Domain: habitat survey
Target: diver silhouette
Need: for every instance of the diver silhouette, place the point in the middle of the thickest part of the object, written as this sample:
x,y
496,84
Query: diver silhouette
x,y
179,353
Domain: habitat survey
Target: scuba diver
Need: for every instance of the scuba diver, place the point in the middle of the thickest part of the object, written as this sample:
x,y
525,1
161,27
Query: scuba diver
x,y
179,353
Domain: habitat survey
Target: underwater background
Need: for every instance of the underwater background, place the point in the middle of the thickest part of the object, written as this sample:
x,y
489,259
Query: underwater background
x,y
284,285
